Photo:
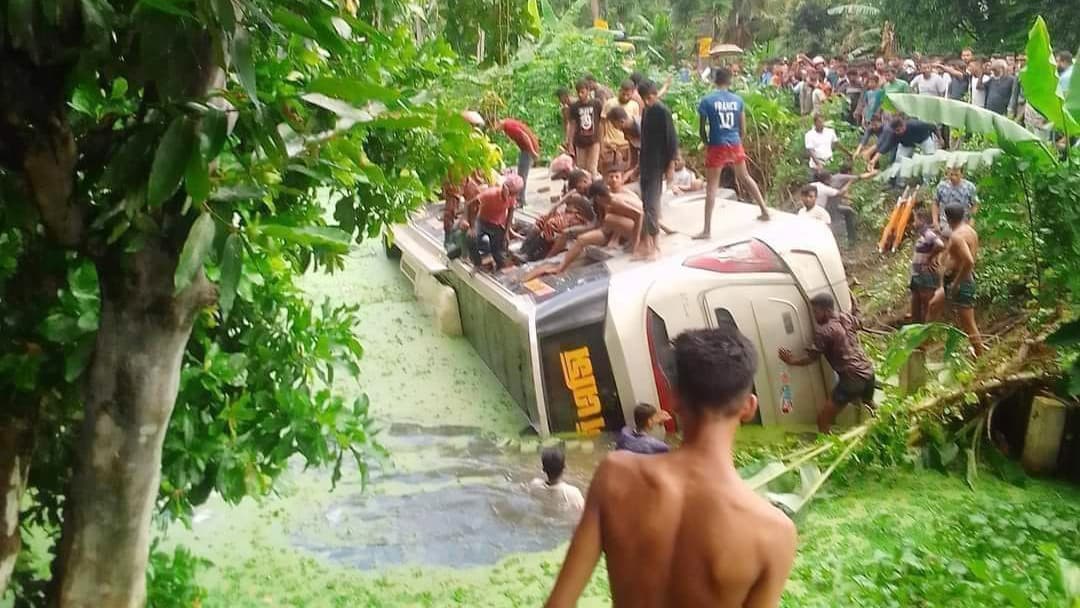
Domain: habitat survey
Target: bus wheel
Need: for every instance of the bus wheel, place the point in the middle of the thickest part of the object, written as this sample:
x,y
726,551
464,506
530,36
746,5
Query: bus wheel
x,y
391,250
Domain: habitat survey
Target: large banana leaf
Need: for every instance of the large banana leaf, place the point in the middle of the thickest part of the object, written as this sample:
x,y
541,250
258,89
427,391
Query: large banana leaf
x,y
931,165
960,115
1040,80
1072,97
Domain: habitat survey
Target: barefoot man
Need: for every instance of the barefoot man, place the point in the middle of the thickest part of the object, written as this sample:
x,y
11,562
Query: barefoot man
x,y
682,529
959,284
616,220
659,148
722,126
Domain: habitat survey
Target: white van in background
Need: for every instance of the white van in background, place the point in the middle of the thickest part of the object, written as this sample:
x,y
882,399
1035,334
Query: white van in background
x,y
578,352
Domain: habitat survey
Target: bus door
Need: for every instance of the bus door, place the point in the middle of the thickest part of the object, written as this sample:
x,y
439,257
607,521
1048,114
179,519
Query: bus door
x,y
774,316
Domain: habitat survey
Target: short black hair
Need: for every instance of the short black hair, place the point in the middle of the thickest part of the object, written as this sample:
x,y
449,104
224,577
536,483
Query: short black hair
x,y
722,76
553,461
636,78
562,92
617,113
714,368
646,88
588,77
599,188
808,189
643,413
955,212
822,175
1064,56
576,176
897,124
823,301
582,205
581,84
627,85
924,215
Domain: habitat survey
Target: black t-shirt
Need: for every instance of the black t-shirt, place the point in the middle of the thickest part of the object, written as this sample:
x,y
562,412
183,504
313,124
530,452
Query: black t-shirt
x,y
586,115
917,132
959,85
659,141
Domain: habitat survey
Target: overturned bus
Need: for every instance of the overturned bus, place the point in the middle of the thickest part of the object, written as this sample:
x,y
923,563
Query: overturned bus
x,y
578,351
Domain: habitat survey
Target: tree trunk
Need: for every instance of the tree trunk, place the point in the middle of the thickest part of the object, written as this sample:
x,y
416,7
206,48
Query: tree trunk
x,y
131,388
15,448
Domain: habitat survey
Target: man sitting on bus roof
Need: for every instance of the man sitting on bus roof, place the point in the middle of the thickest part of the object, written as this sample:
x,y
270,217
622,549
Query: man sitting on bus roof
x,y
638,439
615,220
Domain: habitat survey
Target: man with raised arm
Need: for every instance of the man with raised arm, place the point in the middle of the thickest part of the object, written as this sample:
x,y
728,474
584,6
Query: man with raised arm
x,y
722,126
683,529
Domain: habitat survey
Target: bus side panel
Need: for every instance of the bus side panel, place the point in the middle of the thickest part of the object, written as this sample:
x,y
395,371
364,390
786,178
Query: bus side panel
x,y
502,343
578,381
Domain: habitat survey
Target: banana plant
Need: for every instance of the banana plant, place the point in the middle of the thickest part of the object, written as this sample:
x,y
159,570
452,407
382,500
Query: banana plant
x,y
1041,83
932,165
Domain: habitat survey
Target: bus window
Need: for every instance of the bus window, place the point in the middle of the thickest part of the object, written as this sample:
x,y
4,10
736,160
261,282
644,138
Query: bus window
x,y
724,319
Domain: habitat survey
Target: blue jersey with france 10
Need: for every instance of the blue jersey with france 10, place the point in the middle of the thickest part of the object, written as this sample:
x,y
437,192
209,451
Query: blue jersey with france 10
x,y
723,109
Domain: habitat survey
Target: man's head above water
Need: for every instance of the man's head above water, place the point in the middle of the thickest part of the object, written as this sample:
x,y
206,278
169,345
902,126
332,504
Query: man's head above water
x,y
553,462
715,370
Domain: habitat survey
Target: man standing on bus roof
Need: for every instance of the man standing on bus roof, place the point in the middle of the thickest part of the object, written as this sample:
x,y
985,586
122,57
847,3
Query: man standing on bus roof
x,y
683,528
836,337
722,125
659,149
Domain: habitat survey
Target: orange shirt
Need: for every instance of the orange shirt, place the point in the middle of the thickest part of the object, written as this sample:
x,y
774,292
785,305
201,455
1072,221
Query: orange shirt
x,y
495,205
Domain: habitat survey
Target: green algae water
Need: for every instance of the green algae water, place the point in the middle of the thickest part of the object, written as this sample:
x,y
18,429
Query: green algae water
x,y
445,522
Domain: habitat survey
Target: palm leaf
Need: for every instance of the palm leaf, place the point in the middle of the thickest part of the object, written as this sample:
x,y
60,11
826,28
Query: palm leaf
x,y
857,10
1040,80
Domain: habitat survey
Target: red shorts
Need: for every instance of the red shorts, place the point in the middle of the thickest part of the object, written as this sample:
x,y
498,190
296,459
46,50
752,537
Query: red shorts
x,y
724,155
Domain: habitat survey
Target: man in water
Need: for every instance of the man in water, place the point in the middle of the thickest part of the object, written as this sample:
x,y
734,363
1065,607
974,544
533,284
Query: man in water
x,y
924,278
683,529
958,287
659,148
836,337
722,125
553,489
638,439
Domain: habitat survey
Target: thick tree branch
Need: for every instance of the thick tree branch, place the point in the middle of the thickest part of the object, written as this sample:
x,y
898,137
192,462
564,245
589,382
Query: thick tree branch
x,y
49,167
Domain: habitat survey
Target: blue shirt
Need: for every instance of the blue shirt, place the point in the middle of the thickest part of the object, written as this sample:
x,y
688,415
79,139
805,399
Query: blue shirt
x,y
642,443
723,109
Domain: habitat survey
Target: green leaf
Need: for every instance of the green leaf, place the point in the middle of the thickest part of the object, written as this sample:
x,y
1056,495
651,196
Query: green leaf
x,y
215,129
232,263
1040,79
293,23
197,176
170,160
1066,335
312,236
194,252
960,115
226,14
96,14
1072,96
245,68
353,90
532,21
60,328
75,360
167,6
130,161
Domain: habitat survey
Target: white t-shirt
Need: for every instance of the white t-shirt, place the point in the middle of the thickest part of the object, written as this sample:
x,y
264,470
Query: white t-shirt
x,y
561,494
817,212
683,178
824,193
820,144
936,85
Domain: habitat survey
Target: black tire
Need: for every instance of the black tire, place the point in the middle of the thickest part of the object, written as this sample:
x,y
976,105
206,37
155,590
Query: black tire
x,y
391,250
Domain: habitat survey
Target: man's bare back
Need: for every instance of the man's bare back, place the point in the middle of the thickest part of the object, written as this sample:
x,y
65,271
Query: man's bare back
x,y
678,532
963,237
682,529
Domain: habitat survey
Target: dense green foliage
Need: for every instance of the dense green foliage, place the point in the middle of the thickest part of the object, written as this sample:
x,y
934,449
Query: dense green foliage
x,y
313,105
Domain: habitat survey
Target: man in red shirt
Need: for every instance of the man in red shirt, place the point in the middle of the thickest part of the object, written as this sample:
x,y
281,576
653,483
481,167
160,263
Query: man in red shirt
x,y
528,149
494,212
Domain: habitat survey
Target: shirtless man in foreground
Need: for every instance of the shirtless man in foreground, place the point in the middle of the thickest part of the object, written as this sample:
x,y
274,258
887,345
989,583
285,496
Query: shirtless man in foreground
x,y
683,529
958,286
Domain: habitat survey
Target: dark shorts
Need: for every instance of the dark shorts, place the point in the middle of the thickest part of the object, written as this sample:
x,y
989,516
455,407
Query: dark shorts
x,y
724,155
963,296
852,388
924,281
